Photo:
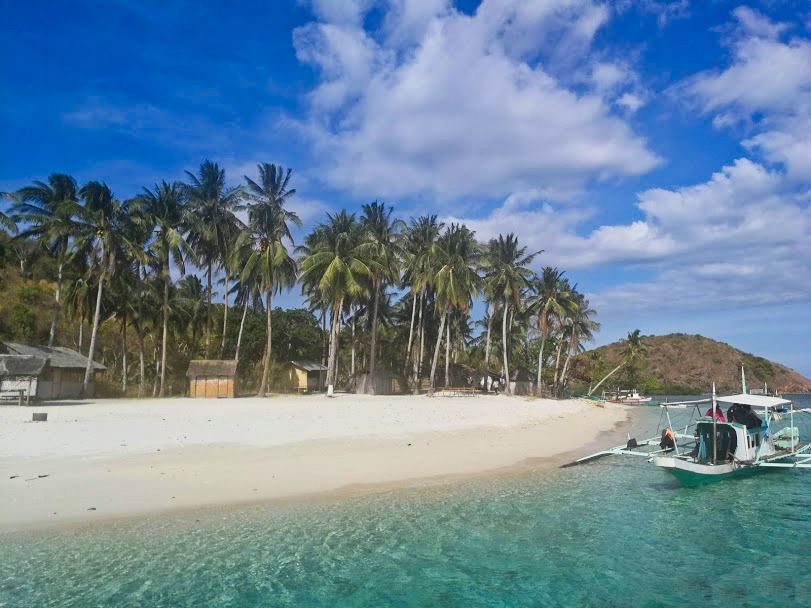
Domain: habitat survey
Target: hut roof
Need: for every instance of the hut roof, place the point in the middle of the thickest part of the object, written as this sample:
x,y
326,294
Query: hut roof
x,y
21,365
56,356
212,367
309,366
522,374
382,373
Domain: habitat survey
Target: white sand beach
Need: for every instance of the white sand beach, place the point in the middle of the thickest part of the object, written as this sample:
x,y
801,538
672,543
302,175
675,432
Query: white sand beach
x,y
112,458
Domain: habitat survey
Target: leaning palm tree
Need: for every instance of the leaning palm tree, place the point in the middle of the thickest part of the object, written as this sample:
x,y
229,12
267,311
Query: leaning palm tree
x,y
580,327
551,296
6,221
212,226
632,352
261,250
382,252
164,208
50,211
335,265
456,281
508,277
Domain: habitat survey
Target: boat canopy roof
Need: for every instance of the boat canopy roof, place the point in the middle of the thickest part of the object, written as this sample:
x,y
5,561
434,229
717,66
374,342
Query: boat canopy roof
x,y
754,400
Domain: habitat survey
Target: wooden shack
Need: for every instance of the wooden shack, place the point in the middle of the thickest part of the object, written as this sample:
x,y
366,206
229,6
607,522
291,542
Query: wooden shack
x,y
522,381
63,375
212,379
382,382
303,376
19,376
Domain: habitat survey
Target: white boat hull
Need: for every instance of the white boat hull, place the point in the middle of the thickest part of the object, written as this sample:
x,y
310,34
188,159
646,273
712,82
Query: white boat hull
x,y
693,473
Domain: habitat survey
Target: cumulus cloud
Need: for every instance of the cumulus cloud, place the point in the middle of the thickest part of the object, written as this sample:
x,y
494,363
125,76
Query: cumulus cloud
x,y
446,104
740,238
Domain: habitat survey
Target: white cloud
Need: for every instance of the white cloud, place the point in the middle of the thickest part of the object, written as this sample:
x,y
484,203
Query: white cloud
x,y
740,238
464,105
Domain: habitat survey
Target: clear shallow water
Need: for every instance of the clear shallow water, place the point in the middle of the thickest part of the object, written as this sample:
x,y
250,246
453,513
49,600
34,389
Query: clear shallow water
x,y
613,533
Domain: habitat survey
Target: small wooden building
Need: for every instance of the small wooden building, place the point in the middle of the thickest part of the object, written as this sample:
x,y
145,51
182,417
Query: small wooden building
x,y
212,379
19,376
63,375
382,382
304,376
522,381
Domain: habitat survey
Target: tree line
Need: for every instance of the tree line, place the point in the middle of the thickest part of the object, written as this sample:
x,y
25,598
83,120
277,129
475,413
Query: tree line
x,y
380,291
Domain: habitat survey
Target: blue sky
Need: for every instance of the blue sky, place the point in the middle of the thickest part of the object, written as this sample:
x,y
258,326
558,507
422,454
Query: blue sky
x,y
659,151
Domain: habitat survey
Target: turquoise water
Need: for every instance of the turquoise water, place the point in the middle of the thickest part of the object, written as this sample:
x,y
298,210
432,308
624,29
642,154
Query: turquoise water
x,y
609,534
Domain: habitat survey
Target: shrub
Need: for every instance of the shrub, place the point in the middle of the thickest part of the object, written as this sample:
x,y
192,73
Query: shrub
x,y
30,294
22,321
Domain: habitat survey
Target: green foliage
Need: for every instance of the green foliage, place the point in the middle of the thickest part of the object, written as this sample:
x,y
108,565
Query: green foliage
x,y
31,293
758,368
23,322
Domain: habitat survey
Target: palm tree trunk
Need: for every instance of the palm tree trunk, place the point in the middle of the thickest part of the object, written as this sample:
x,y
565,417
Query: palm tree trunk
x,y
352,365
81,328
611,373
165,320
565,371
242,327
436,352
56,306
557,365
224,317
504,350
448,354
422,331
417,345
141,359
208,312
410,331
88,372
157,367
540,363
324,354
269,334
490,311
373,351
124,356
332,362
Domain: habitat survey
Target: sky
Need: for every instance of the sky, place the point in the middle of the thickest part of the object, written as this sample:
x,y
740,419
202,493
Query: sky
x,y
657,151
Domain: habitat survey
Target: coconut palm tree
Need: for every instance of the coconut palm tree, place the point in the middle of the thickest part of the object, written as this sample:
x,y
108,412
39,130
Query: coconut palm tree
x,y
419,271
50,212
191,298
102,220
551,296
632,352
212,226
508,276
164,207
334,263
6,221
261,249
456,281
381,249
580,328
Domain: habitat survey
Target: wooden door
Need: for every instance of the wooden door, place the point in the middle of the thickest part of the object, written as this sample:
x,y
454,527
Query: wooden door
x,y
222,387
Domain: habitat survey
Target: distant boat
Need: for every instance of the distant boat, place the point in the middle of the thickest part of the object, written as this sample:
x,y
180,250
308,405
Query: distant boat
x,y
626,398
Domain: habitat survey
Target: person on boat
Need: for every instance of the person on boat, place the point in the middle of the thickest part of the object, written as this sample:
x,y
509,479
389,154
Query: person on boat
x,y
719,414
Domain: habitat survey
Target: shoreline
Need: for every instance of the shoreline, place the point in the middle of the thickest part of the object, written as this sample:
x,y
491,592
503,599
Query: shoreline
x,y
472,437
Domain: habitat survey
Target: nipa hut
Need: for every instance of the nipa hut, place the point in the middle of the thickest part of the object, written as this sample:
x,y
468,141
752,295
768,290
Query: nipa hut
x,y
19,376
212,379
382,382
303,376
522,381
63,375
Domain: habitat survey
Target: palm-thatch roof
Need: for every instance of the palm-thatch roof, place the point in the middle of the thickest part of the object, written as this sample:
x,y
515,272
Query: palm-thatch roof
x,y
212,367
21,365
308,366
56,356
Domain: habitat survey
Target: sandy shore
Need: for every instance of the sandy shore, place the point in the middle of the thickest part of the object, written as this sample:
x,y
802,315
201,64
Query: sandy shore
x,y
111,458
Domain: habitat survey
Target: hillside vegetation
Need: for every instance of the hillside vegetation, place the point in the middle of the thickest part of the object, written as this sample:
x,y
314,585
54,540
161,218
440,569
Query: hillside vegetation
x,y
682,363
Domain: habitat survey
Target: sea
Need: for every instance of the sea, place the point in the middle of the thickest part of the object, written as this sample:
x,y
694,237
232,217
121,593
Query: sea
x,y
615,533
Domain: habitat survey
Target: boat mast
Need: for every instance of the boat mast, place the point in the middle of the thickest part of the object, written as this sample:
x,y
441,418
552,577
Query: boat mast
x,y
714,436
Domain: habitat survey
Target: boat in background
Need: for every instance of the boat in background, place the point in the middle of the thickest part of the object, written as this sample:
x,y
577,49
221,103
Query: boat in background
x,y
625,397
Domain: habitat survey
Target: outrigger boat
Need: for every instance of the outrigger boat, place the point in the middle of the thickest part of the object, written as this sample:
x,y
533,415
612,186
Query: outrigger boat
x,y
625,397
714,447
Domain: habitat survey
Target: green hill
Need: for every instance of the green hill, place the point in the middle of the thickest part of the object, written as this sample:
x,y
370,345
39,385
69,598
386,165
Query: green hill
x,y
683,364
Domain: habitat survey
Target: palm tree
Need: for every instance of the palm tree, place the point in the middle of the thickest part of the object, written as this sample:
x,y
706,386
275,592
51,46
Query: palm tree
x,y
50,210
382,252
102,219
5,220
580,327
632,352
164,208
419,266
261,250
456,280
191,298
213,225
551,295
335,265
508,275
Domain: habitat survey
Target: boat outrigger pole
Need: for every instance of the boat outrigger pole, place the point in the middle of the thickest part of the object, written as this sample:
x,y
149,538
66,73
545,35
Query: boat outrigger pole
x,y
714,424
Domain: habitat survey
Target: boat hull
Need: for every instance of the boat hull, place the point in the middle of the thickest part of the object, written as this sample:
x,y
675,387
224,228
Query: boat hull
x,y
693,474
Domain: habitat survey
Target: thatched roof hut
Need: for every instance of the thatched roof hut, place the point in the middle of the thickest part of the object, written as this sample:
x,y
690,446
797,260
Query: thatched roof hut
x,y
214,378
